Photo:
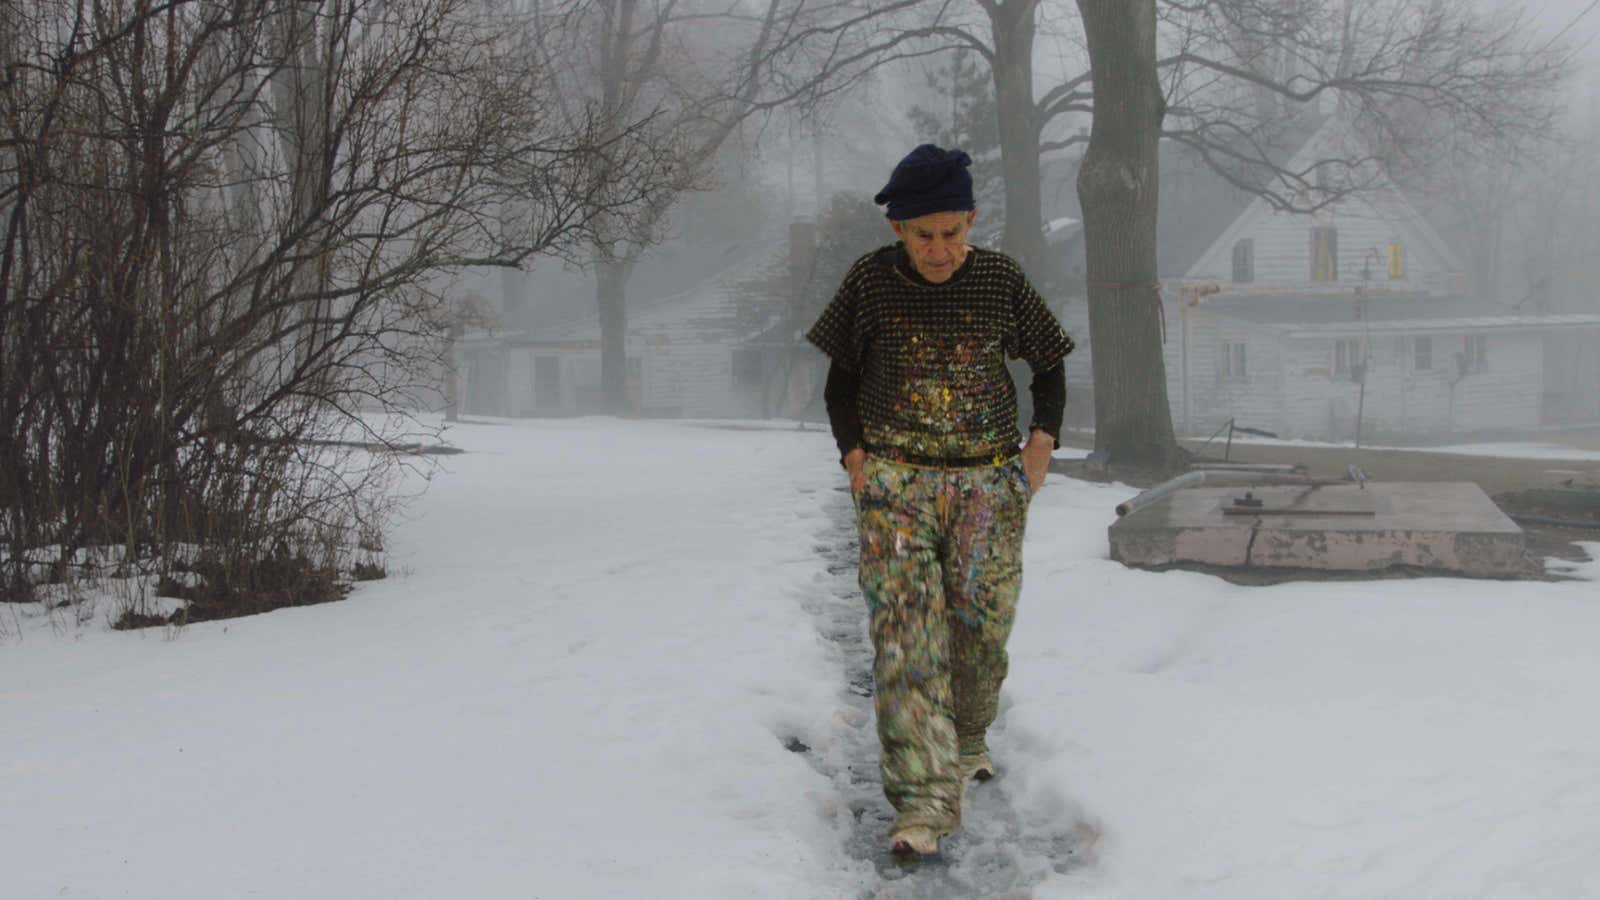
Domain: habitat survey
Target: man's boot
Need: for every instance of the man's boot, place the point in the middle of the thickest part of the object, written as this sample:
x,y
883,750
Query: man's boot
x,y
977,766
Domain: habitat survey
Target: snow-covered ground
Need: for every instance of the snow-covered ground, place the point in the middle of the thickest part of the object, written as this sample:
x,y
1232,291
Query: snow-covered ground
x,y
623,660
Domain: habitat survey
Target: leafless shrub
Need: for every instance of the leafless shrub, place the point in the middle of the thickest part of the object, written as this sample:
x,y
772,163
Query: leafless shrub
x,y
229,226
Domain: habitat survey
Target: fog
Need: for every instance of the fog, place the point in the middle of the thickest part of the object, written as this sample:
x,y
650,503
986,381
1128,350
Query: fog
x,y
1379,220
1492,192
508,299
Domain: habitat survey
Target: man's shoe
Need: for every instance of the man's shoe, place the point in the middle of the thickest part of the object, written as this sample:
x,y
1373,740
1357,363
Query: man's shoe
x,y
977,766
915,839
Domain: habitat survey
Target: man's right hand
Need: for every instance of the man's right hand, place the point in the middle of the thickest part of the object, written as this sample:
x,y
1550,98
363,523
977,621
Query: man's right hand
x,y
855,463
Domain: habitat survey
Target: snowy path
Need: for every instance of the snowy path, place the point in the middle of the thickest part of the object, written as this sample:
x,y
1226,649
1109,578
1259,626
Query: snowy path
x,y
999,853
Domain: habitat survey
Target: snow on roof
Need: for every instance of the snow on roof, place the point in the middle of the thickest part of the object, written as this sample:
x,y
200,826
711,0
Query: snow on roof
x,y
1307,315
1456,325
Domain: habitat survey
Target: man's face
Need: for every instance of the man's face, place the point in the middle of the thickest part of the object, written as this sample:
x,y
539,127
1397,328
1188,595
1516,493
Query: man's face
x,y
937,242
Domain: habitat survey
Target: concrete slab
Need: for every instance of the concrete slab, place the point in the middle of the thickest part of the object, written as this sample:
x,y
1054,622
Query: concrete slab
x,y
1450,527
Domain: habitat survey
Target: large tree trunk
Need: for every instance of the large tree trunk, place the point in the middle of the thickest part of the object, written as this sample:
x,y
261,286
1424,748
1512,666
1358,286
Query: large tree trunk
x,y
1117,188
610,273
302,111
611,290
1013,23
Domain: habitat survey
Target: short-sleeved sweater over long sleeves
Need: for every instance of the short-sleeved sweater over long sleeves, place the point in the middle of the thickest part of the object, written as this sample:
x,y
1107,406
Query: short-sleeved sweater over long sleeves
x,y
931,357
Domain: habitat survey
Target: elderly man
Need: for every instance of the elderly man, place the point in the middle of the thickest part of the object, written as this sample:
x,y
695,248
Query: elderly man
x,y
925,415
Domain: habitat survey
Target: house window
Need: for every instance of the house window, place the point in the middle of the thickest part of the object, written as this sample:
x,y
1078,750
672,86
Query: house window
x,y
1347,361
1422,353
1324,254
1474,353
1232,363
1244,260
1397,260
747,370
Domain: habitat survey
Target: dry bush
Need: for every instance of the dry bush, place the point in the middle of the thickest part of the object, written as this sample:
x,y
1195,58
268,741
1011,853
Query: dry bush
x,y
228,224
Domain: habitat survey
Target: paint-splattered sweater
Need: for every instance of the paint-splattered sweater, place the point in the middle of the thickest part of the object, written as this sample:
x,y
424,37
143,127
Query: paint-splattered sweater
x,y
930,358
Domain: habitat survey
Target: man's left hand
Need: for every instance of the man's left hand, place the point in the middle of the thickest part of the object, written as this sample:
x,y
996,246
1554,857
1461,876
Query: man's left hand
x,y
1036,458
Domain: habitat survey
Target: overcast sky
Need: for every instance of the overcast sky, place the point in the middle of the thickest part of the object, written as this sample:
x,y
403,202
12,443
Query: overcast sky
x,y
1580,18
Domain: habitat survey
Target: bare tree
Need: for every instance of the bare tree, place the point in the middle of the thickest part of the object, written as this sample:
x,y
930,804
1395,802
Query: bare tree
x,y
1118,187
1236,74
700,72
1237,77
229,226
1404,73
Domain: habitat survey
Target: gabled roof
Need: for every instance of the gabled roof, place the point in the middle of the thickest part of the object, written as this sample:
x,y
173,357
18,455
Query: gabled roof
x,y
1196,203
1331,136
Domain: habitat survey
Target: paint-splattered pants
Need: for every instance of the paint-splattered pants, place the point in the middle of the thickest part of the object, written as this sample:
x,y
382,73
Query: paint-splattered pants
x,y
941,566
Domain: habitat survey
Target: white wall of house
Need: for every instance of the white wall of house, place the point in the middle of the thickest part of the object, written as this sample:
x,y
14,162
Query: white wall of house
x,y
1507,392
1320,402
1305,387
692,379
504,380
1366,224
1404,399
1220,369
573,376
680,356
1365,228
1409,398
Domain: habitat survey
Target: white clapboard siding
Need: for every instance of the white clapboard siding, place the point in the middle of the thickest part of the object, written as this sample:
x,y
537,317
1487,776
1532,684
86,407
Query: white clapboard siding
x,y
688,366
1283,243
695,380
1506,393
1366,223
1202,396
1318,404
1404,399
1401,400
1322,404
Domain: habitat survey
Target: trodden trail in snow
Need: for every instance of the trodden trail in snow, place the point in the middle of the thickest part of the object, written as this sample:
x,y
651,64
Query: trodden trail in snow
x,y
999,852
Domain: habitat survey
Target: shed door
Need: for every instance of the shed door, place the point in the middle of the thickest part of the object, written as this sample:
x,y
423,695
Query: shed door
x,y
546,382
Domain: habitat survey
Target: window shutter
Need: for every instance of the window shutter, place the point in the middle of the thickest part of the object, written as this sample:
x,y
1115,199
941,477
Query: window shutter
x,y
1324,254
1244,262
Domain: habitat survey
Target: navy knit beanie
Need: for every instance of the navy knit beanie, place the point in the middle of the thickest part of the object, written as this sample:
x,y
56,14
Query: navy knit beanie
x,y
928,180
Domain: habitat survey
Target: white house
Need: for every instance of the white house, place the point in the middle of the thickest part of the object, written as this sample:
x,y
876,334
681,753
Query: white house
x,y
688,354
1353,320
1374,365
